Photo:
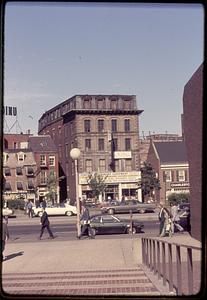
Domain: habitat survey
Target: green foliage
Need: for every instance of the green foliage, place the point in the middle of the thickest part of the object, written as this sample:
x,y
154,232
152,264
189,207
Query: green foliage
x,y
97,183
16,204
149,182
52,188
179,198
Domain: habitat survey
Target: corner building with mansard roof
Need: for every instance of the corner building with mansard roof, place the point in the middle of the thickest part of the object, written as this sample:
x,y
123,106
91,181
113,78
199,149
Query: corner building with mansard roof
x,y
106,130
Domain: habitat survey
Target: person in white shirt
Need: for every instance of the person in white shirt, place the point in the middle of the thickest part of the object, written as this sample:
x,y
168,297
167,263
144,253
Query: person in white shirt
x,y
175,218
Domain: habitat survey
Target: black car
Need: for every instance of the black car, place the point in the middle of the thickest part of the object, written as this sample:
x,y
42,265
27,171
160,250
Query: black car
x,y
103,224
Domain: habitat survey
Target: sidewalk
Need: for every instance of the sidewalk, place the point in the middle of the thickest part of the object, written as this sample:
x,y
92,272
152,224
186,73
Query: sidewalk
x,y
80,267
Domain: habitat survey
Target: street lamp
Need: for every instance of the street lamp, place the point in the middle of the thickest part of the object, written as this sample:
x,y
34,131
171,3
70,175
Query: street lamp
x,y
74,154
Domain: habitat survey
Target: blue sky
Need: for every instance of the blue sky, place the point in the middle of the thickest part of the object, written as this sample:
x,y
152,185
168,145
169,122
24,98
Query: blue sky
x,y
56,50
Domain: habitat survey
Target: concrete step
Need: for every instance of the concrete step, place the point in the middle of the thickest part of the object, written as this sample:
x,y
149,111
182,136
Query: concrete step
x,y
123,281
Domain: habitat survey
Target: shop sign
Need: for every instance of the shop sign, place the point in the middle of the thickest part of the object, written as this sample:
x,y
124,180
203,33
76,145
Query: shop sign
x,y
180,184
122,154
116,177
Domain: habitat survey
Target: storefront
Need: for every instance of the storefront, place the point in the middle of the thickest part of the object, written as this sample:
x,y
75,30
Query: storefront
x,y
119,185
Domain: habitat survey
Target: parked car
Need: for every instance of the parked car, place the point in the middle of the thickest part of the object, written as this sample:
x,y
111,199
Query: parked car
x,y
102,223
185,219
183,206
127,206
7,211
55,210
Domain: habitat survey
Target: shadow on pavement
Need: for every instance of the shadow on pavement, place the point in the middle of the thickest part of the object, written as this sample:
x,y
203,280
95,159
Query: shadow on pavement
x,y
8,257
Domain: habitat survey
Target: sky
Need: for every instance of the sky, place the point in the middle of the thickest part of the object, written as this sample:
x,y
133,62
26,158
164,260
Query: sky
x,y
53,51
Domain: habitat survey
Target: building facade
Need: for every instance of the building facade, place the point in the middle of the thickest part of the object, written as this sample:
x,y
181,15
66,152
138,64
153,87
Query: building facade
x,y
106,129
28,161
169,160
193,135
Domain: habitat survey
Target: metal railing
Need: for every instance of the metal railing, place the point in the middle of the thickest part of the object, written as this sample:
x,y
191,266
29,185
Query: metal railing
x,y
156,258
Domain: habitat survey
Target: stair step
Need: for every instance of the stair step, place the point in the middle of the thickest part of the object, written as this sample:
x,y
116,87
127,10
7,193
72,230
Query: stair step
x,y
86,282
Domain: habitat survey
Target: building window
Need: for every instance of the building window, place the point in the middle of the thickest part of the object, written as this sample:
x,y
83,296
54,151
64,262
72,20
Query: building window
x,y
88,165
87,126
167,176
7,172
30,185
19,186
30,171
114,125
87,144
7,186
100,104
102,165
128,165
18,171
52,161
101,144
42,160
181,175
100,125
127,104
6,157
127,125
117,166
21,156
15,145
115,144
127,144
113,104
86,104
43,177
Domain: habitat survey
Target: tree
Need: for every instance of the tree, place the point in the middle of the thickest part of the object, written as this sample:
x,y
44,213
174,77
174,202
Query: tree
x,y
52,188
149,181
97,184
179,197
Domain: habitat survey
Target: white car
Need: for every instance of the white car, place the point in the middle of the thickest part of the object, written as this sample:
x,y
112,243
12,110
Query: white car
x,y
7,211
56,210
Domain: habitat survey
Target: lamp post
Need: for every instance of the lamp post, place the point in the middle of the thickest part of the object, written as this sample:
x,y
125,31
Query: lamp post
x,y
74,154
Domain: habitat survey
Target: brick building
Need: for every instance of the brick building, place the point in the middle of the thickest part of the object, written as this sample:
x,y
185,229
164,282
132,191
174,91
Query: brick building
x,y
27,162
106,129
193,135
169,160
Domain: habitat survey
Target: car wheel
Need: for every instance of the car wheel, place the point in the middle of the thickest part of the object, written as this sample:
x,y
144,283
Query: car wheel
x,y
142,211
133,230
92,231
69,213
111,211
40,213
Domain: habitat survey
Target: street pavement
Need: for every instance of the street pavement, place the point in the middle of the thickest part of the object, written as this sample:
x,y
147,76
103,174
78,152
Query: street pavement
x,y
100,266
82,267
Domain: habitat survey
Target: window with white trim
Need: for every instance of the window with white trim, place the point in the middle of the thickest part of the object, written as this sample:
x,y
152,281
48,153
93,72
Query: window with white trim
x,y
167,176
181,175
42,160
52,161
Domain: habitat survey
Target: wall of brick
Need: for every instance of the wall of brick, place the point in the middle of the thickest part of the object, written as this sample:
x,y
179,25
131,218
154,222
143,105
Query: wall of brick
x,y
192,128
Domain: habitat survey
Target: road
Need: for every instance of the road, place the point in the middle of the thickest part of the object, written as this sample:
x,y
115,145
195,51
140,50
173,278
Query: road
x,y
23,229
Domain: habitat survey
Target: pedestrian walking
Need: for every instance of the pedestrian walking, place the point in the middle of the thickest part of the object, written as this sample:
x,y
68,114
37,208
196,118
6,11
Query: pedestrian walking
x,y
29,209
175,218
165,221
85,218
5,235
44,221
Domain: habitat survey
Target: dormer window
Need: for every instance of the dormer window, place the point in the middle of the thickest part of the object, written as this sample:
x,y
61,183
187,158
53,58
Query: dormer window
x,y
21,156
6,157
